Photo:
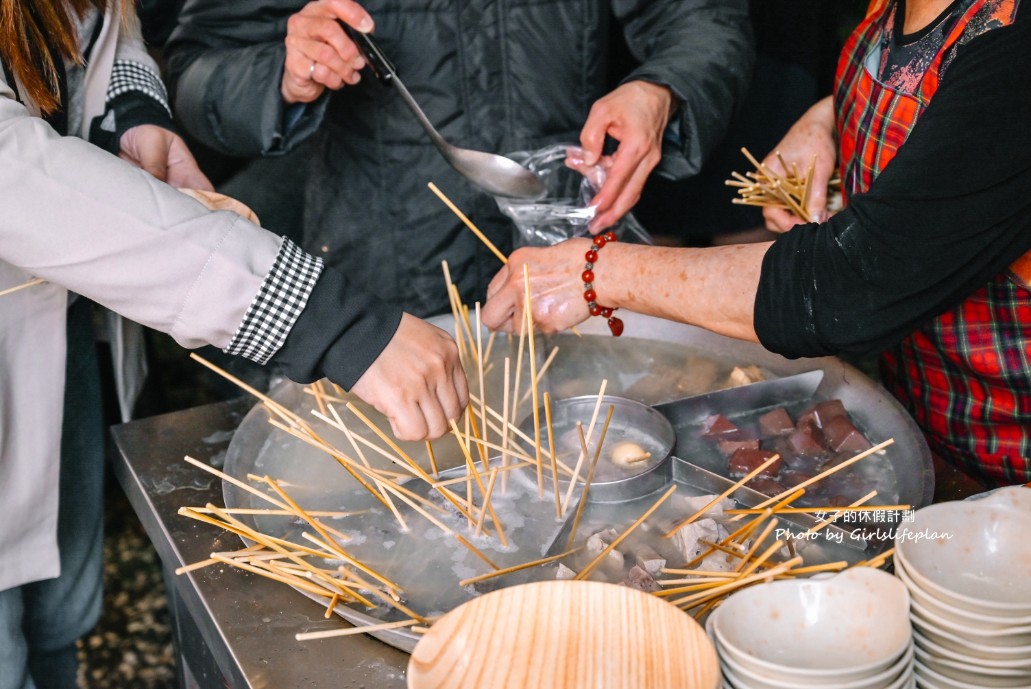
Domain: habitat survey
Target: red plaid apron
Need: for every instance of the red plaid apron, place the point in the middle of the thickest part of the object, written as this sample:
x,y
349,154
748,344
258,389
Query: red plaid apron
x,y
966,375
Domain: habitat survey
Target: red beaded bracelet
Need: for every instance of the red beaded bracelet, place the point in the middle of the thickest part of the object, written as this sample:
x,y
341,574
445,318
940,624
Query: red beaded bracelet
x,y
615,324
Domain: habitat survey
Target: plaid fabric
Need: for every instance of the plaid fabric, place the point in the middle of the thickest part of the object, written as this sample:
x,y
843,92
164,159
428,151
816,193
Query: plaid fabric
x,y
966,375
127,76
281,299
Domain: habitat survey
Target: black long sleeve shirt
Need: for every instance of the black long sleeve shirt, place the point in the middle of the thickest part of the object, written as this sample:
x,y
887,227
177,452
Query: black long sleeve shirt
x,y
949,212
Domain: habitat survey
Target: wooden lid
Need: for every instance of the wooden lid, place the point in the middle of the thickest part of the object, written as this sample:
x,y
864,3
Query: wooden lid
x,y
565,635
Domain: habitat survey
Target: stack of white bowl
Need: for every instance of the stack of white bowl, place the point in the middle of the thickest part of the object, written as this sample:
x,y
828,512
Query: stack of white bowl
x,y
846,631
967,566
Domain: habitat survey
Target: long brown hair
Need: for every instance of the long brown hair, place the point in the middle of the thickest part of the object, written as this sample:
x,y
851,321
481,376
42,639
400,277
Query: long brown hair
x,y
25,27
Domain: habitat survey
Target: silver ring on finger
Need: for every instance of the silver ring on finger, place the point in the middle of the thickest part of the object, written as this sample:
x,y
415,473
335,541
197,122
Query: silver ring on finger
x,y
311,71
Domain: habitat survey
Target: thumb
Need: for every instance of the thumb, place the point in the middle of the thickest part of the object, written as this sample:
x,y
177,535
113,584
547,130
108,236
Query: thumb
x,y
592,139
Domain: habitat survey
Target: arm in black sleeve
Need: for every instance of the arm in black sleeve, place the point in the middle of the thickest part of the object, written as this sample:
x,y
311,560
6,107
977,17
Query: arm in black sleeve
x,y
341,331
951,210
702,51
225,67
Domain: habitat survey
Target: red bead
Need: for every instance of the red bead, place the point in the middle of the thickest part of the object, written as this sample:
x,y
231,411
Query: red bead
x,y
591,256
595,310
606,312
616,326
587,276
589,295
609,236
599,241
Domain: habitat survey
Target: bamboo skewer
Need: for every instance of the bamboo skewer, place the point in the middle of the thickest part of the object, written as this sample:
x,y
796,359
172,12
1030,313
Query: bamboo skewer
x,y
205,563
540,374
486,502
454,312
475,230
528,314
694,600
282,513
590,471
341,459
583,451
332,606
468,223
551,448
748,477
479,483
501,470
825,508
269,402
877,561
515,568
448,495
25,285
483,390
504,429
433,459
766,188
823,474
349,631
619,539
236,482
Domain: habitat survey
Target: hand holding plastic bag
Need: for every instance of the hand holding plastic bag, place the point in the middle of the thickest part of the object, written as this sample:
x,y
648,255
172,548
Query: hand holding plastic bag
x,y
565,211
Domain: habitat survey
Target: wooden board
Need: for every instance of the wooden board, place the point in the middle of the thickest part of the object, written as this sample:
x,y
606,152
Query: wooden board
x,y
565,635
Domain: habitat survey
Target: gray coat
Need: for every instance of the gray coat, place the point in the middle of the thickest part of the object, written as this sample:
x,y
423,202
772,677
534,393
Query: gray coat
x,y
82,219
494,75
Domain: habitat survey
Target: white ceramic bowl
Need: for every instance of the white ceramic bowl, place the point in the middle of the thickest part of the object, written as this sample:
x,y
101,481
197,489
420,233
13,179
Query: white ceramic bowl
x,y
975,621
935,680
963,644
962,672
901,669
737,681
990,637
974,554
842,628
974,662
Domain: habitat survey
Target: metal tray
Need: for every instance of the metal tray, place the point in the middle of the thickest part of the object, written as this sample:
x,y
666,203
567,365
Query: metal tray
x,y
428,565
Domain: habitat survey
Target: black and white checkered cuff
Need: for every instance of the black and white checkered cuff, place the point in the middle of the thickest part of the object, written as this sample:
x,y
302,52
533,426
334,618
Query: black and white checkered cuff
x,y
127,76
281,299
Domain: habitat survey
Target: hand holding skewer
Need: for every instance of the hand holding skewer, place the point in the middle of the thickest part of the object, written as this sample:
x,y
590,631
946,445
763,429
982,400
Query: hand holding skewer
x,y
791,183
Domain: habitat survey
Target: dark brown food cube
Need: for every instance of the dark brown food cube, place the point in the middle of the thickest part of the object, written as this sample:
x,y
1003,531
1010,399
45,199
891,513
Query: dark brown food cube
x,y
717,424
807,440
776,422
790,479
836,460
766,486
842,436
823,412
728,446
744,461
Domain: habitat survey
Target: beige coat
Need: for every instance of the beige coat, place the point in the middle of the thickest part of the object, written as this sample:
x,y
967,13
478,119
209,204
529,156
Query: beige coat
x,y
86,221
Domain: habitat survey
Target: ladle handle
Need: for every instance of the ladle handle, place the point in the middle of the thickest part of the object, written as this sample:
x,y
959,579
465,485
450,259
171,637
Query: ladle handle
x,y
386,73
378,62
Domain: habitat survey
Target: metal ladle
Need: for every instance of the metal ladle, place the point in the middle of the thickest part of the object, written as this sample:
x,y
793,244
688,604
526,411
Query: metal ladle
x,y
493,173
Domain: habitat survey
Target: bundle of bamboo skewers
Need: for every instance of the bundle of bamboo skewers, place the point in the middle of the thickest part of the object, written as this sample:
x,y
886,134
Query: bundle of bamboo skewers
x,y
323,567
766,188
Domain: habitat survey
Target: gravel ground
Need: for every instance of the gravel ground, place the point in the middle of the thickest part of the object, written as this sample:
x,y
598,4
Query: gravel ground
x,y
132,644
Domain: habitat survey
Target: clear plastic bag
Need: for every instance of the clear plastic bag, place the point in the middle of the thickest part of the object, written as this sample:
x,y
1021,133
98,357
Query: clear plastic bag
x,y
564,212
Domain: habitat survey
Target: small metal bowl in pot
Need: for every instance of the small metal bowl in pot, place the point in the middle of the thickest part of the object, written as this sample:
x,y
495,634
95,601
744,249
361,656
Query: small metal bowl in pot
x,y
635,456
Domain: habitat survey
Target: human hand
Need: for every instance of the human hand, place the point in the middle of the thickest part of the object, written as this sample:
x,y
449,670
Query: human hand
x,y
163,154
319,55
556,290
636,115
417,381
812,134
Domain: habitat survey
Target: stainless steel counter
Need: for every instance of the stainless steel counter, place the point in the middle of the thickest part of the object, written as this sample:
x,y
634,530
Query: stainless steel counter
x,y
231,628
